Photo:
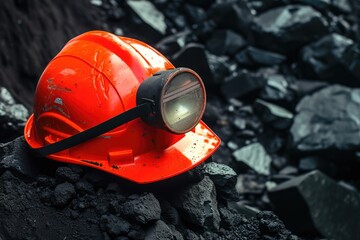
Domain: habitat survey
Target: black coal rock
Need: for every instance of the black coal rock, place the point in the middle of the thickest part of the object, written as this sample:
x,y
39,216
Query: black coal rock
x,y
255,157
114,225
67,174
279,89
327,119
12,116
314,203
225,42
197,204
195,14
15,158
236,16
241,84
224,178
288,28
274,115
149,15
63,193
252,56
333,58
144,209
193,56
159,231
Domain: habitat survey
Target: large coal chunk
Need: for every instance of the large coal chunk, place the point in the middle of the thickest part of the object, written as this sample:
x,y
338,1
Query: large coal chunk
x,y
334,58
289,28
225,42
242,84
254,156
147,19
114,225
159,231
315,203
224,178
16,158
12,116
328,119
274,115
197,204
236,16
252,56
143,209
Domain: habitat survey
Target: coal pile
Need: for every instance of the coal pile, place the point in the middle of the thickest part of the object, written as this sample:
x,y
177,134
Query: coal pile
x,y
283,94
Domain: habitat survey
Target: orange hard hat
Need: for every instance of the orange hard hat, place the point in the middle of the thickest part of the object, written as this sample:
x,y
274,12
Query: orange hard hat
x,y
117,104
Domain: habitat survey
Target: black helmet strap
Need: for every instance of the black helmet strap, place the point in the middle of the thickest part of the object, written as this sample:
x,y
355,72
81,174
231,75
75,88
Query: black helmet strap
x,y
136,112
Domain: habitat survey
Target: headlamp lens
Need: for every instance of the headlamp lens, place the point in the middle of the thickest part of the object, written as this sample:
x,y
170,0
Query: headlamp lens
x,y
183,102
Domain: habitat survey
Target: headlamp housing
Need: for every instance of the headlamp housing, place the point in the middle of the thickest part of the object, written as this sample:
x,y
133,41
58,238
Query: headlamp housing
x,y
178,98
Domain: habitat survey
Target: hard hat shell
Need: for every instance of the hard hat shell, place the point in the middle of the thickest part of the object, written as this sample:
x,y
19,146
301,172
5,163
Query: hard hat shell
x,y
93,78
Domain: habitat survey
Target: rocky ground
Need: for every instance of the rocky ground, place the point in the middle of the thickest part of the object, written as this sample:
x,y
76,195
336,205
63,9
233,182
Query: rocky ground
x,y
283,83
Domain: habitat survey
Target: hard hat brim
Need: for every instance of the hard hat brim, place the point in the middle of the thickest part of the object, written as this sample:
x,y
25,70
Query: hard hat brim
x,y
194,148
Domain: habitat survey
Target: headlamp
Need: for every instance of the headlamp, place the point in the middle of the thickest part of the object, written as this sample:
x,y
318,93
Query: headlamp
x,y
178,97
173,100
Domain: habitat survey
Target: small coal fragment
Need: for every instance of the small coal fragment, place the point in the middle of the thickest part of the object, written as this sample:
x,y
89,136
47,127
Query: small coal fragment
x,y
328,119
243,83
159,231
144,209
271,227
271,114
288,28
225,42
196,14
333,58
67,174
255,157
62,194
224,178
220,67
313,203
148,13
197,204
12,116
114,225
252,56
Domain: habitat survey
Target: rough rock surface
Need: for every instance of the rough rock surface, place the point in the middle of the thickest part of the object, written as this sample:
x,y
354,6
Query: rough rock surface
x,y
323,203
254,156
328,119
199,205
142,209
289,27
334,58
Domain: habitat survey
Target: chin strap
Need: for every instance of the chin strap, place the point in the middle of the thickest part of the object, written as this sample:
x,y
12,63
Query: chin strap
x,y
136,112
